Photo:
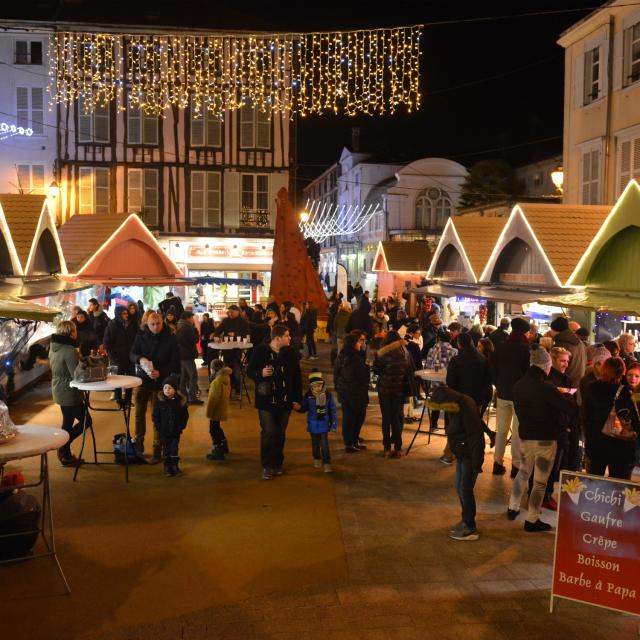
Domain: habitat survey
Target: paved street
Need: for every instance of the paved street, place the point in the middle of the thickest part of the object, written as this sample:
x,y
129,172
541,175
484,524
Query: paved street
x,y
362,553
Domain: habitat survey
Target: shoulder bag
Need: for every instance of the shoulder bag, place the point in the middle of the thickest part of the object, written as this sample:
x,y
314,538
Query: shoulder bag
x,y
617,425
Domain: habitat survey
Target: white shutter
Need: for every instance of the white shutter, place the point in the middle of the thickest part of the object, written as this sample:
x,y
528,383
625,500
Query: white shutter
x,y
134,190
263,137
150,200
247,119
624,165
604,69
618,61
22,107
149,129
594,197
578,81
231,199
37,178
101,190
101,124
24,178
37,110
197,198
213,199
86,190
134,116
586,177
635,166
85,123
214,130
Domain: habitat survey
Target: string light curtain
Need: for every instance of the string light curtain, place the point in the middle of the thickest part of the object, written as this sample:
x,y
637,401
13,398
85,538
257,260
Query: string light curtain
x,y
325,220
367,71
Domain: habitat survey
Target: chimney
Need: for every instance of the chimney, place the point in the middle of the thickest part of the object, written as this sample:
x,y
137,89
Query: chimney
x,y
355,139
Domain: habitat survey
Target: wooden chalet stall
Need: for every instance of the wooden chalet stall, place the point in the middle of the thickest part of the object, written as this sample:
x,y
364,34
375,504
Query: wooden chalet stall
x,y
400,265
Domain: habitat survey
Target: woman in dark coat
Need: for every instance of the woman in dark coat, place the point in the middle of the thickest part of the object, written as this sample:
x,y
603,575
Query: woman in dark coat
x,y
351,380
87,338
394,368
206,331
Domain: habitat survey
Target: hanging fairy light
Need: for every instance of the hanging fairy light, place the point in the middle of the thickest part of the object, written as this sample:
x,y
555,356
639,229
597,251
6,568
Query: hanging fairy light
x,y
371,71
320,220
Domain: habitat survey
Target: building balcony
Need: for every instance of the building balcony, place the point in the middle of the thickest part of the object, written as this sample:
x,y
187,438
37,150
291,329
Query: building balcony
x,y
255,221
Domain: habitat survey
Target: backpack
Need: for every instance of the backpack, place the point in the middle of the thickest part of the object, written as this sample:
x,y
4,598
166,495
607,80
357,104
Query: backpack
x,y
122,447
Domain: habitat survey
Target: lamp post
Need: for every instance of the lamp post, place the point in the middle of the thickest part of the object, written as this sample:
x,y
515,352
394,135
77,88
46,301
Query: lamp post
x,y
557,177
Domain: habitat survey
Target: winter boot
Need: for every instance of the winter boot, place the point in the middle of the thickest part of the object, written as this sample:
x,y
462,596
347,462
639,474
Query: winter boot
x,y
156,458
176,468
169,470
216,454
224,446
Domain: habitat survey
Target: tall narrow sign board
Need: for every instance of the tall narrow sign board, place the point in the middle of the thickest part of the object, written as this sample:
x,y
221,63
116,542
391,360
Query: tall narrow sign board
x,y
597,552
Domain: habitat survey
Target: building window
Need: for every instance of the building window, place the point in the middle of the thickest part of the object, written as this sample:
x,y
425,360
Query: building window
x,y
255,129
205,199
631,55
628,162
93,126
30,108
141,128
255,192
591,177
142,194
94,190
206,129
591,90
30,178
28,52
433,208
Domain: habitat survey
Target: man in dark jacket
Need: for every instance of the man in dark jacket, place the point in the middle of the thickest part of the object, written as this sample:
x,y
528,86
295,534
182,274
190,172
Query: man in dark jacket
x,y
118,340
468,372
501,334
187,338
308,326
275,368
360,319
155,354
99,319
567,339
171,301
234,326
466,440
351,379
508,364
539,406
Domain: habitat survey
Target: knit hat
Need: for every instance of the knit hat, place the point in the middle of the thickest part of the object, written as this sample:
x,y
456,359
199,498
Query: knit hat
x,y
539,357
316,376
435,319
596,354
172,381
520,325
560,324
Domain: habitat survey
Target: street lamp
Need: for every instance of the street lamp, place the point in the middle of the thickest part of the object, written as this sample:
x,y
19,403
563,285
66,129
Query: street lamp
x,y
304,216
557,177
54,189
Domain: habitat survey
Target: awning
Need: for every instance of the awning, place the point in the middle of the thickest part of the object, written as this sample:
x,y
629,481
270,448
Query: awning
x,y
241,282
27,288
596,301
12,307
498,294
139,282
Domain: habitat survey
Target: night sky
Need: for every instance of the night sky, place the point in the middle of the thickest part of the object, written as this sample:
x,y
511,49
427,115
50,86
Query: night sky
x,y
491,88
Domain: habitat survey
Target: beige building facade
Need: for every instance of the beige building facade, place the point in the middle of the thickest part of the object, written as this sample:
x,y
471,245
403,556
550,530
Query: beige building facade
x,y
602,104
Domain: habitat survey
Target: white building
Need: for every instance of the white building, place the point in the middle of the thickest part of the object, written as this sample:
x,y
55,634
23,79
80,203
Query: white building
x,y
601,147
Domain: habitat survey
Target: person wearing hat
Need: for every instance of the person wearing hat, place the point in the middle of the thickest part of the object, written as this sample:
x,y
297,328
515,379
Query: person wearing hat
x,y
508,363
430,326
320,407
170,416
564,337
539,406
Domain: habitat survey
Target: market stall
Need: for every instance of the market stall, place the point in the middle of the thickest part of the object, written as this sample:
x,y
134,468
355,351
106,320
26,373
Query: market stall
x,y
400,265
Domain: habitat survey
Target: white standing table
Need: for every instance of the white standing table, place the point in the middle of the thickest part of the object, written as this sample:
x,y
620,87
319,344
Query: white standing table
x,y
221,347
428,375
110,384
30,442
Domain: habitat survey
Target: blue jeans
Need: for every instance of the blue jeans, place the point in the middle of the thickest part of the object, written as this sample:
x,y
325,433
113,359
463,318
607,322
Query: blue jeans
x,y
273,425
188,379
320,447
465,481
392,421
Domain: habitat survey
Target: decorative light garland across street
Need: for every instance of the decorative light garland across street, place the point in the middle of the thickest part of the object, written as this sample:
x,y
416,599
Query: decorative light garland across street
x,y
10,130
336,219
366,71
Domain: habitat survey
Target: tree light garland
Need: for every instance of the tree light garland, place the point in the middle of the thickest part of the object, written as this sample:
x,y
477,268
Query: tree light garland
x,y
325,220
367,71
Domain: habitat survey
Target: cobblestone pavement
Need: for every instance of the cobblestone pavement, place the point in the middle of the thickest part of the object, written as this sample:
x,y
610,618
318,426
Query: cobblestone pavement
x,y
359,554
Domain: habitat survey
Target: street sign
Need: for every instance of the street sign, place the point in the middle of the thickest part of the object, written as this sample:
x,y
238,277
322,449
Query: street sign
x,y
597,551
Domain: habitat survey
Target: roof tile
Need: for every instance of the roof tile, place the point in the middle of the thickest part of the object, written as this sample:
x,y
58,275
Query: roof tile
x,y
22,212
413,257
478,235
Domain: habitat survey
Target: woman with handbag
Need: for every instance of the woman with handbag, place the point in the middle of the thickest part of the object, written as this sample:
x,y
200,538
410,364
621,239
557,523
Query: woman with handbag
x,y
607,411
63,360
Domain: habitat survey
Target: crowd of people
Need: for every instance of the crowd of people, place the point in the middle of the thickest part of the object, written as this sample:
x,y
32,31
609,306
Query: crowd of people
x,y
563,403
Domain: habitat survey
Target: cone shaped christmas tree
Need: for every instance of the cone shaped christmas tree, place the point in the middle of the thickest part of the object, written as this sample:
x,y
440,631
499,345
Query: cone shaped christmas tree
x,y
293,277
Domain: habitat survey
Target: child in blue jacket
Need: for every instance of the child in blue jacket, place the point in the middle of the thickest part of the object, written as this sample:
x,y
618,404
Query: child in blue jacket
x,y
320,407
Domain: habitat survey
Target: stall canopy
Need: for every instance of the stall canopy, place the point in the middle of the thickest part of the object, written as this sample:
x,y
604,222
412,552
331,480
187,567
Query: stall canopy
x,y
28,288
116,249
498,294
241,282
596,301
12,307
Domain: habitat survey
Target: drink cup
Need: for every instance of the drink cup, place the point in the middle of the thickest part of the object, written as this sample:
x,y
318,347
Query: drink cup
x,y
247,338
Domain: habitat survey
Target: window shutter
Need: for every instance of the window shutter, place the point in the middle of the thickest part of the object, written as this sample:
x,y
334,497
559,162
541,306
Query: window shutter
x,y
150,201
595,177
37,110
231,198
624,165
22,104
214,130
134,190
101,190
603,80
86,190
134,117
586,177
24,178
213,199
635,168
85,123
264,131
197,198
37,178
101,124
150,129
578,81
247,127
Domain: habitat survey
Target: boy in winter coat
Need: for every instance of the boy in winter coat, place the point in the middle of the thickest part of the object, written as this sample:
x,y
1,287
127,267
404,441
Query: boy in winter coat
x,y
320,407
218,408
170,417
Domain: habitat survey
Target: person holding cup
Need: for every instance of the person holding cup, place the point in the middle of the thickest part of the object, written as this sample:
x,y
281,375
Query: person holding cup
x,y
230,327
